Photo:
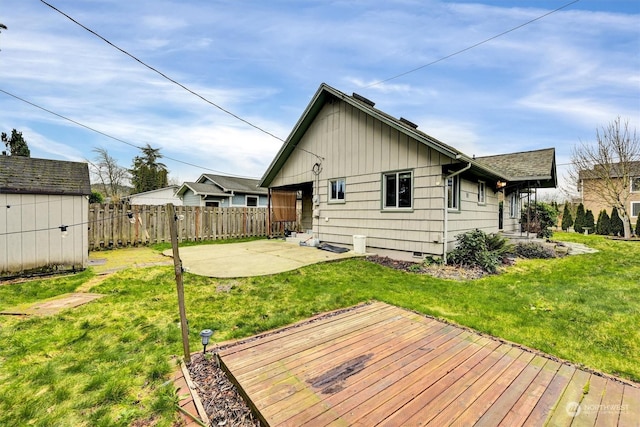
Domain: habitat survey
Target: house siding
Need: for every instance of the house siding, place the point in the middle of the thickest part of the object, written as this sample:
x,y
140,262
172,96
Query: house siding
x,y
360,148
189,198
29,234
158,197
592,200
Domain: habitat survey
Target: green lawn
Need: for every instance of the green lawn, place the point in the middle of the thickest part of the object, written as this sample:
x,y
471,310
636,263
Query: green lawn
x,y
107,363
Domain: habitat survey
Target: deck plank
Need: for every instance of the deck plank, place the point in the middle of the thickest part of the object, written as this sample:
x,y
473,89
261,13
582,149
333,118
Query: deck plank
x,y
382,365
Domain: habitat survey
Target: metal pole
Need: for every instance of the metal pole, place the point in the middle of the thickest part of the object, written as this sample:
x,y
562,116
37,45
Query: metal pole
x,y
177,264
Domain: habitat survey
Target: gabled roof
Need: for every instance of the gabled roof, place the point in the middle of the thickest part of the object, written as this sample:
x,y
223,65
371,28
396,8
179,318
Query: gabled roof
x,y
326,93
537,165
157,190
26,175
613,170
231,183
200,189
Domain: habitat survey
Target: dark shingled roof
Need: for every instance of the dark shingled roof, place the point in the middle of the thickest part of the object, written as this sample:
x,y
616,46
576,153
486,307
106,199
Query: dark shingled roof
x,y
538,165
26,175
232,183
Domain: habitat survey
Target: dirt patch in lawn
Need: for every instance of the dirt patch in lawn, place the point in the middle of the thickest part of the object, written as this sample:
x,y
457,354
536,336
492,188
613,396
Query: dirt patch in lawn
x,y
53,305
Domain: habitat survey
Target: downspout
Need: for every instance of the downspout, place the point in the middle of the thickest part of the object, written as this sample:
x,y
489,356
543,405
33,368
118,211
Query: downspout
x,y
446,209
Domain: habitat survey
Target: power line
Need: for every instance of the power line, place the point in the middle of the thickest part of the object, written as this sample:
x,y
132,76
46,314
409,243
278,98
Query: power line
x,y
165,76
155,70
472,46
110,136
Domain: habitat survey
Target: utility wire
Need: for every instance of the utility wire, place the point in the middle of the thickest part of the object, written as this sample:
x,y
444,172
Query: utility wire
x,y
472,46
110,136
162,74
165,76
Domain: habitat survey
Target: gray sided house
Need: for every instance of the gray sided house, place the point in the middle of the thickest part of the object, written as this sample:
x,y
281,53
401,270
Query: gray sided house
x,y
44,213
223,192
363,172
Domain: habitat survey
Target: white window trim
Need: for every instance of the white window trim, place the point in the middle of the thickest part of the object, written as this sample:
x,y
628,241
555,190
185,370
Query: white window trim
x,y
631,209
482,185
344,193
384,191
246,201
455,194
514,205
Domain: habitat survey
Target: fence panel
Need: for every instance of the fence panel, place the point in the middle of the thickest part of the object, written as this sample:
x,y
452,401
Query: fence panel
x,y
117,225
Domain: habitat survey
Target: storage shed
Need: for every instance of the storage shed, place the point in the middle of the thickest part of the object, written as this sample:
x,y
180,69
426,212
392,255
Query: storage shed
x,y
44,212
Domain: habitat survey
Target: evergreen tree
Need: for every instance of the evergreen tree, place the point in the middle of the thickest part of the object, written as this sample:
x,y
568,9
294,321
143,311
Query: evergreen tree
x,y
567,220
604,223
617,226
589,222
579,223
16,145
147,173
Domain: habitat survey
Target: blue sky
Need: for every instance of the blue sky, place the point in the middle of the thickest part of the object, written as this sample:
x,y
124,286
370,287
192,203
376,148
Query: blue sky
x,y
551,83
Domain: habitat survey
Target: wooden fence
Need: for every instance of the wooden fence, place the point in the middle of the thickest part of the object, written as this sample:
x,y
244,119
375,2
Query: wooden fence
x,y
117,225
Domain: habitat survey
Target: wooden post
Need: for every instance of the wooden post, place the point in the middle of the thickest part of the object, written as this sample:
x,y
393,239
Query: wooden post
x,y
177,264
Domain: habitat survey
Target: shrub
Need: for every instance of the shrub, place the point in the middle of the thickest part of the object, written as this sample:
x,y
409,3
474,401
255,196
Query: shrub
x,y
589,222
603,227
617,227
579,223
567,220
533,250
478,249
539,218
638,226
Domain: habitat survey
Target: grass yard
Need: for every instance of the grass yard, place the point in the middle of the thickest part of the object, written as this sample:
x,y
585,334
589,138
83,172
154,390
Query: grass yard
x,y
107,363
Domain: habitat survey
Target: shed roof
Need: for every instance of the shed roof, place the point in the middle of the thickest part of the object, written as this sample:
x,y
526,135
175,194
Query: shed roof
x,y
201,189
26,175
536,165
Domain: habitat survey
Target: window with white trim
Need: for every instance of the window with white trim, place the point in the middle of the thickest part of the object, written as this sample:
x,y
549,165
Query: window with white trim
x,y
482,188
252,201
635,184
397,189
514,205
337,188
635,209
453,192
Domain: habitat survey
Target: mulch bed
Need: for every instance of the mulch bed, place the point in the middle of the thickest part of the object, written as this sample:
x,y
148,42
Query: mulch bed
x,y
221,400
440,271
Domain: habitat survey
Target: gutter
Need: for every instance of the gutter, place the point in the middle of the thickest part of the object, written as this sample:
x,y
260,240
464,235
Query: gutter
x,y
446,208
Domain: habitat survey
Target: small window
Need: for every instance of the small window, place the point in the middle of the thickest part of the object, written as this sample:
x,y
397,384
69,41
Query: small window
x,y
252,201
481,193
635,184
453,193
397,190
635,209
337,190
514,205
212,204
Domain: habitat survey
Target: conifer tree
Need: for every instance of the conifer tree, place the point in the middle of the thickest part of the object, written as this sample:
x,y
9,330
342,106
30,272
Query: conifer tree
x,y
604,223
617,226
579,223
567,219
589,222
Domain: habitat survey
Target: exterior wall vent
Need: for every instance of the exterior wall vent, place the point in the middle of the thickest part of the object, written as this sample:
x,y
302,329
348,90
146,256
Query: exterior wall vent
x,y
364,100
408,123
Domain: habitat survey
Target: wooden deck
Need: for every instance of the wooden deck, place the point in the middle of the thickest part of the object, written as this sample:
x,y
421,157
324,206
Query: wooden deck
x,y
382,365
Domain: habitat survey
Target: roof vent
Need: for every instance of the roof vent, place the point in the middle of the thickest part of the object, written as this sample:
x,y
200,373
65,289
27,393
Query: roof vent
x,y
361,98
408,123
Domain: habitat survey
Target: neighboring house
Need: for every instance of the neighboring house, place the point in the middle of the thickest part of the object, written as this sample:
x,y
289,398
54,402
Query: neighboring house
x,y
526,171
44,212
363,172
223,191
161,196
590,186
